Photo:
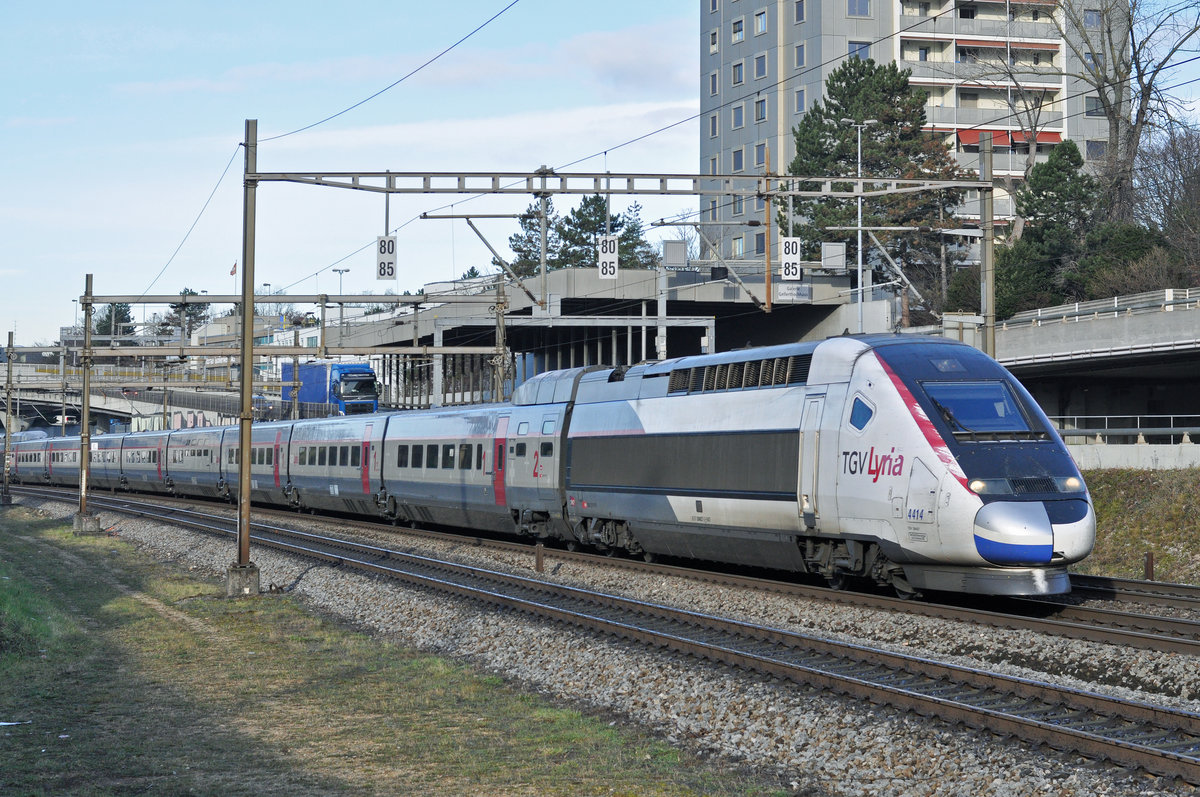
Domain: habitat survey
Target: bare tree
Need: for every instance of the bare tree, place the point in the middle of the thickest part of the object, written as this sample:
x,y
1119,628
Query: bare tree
x,y
1168,190
1125,49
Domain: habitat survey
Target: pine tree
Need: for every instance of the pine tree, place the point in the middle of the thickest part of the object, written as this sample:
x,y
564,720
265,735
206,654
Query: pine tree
x,y
894,145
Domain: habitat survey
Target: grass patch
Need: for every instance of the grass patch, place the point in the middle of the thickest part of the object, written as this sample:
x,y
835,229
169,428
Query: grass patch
x,y
132,677
1140,511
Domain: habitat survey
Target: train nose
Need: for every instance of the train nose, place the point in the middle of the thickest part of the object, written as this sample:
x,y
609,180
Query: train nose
x,y
1014,533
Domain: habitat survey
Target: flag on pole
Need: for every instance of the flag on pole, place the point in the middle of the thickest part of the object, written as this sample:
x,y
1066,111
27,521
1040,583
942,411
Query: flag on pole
x,y
233,270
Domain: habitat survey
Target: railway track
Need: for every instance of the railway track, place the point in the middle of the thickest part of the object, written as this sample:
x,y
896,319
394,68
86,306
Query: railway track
x,y
1159,740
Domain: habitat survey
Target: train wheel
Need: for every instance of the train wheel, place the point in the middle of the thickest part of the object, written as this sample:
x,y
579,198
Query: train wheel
x,y
649,557
572,546
838,580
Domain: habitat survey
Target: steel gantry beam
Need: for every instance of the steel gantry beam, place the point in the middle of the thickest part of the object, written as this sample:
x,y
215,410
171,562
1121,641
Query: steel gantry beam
x,y
606,183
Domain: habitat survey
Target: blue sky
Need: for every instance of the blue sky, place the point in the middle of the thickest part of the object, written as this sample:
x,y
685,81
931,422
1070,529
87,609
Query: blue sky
x,y
119,119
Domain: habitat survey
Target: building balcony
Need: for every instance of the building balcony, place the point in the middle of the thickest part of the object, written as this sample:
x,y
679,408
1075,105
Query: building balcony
x,y
984,72
949,25
987,118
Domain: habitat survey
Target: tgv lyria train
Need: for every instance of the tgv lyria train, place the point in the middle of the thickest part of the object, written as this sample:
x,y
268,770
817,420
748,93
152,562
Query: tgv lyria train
x,y
915,462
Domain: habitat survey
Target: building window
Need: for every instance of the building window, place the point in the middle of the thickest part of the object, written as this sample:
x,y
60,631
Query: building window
x,y
760,154
739,247
738,31
922,53
1037,58
1095,150
922,9
713,126
713,43
760,22
799,98
1092,106
713,83
712,210
760,243
968,99
968,55
712,165
1091,18
760,110
860,50
799,55
738,165
798,15
714,5
1094,60
739,205
737,116
760,66
858,8
966,12
737,74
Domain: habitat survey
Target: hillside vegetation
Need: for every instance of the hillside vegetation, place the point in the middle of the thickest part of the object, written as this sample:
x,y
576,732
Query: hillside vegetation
x,y
1141,511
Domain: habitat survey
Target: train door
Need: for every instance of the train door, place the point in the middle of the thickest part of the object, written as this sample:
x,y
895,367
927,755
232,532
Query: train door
x,y
499,442
810,460
545,459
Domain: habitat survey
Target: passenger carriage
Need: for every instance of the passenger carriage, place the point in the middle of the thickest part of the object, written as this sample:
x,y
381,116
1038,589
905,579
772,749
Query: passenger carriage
x,y
104,462
334,463
448,467
62,461
30,461
194,460
144,465
269,477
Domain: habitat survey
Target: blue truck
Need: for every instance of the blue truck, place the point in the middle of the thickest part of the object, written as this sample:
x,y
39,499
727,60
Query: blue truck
x,y
351,387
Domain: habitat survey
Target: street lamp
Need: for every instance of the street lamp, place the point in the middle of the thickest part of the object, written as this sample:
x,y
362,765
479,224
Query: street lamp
x,y
341,305
859,126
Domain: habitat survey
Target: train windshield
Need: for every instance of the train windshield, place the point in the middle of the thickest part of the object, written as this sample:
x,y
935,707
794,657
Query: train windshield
x,y
979,408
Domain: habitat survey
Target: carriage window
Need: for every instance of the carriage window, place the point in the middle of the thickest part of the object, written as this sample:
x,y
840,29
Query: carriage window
x,y
402,457
547,427
302,457
344,456
520,449
464,456
321,455
547,449
431,456
418,456
333,455
860,414
523,427
479,456
355,456
270,456
448,456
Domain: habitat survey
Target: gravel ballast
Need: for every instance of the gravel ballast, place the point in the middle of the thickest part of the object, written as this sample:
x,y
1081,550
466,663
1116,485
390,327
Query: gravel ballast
x,y
819,743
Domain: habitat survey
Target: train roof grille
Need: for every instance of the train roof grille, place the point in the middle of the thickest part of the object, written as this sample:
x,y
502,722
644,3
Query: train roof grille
x,y
767,372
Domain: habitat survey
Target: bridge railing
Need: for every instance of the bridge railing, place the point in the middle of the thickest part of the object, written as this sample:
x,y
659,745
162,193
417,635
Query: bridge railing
x,y
1128,429
1165,300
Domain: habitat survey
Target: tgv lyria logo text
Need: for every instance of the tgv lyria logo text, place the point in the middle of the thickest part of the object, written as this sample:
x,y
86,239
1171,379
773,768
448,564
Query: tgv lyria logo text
x,y
872,464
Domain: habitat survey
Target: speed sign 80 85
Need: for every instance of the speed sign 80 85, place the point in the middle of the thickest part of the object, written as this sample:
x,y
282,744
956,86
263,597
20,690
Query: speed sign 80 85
x,y
385,257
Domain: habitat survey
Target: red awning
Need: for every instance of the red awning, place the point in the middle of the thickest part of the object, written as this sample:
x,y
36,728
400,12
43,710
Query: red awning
x,y
1043,137
970,138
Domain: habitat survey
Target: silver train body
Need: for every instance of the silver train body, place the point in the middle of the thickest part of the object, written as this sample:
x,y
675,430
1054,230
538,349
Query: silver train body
x,y
915,462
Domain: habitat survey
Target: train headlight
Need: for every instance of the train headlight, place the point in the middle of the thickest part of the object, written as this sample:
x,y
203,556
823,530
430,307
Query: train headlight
x,y
1069,484
989,486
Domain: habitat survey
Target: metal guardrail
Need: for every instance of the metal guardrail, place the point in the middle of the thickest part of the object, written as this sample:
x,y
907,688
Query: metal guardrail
x,y
1128,429
1167,300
